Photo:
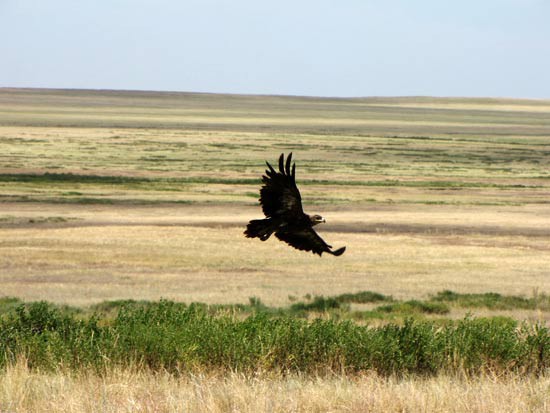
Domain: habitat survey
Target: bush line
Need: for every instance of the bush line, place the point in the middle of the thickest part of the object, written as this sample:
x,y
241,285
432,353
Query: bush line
x,y
176,337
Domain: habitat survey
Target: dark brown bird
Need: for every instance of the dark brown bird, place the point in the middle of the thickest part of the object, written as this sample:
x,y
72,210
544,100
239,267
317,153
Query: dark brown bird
x,y
282,205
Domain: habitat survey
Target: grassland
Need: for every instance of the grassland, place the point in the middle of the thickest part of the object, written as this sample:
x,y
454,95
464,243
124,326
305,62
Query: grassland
x,y
131,390
442,203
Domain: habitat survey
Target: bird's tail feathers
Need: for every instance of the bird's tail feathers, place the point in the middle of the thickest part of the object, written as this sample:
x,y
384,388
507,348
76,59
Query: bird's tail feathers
x,y
259,228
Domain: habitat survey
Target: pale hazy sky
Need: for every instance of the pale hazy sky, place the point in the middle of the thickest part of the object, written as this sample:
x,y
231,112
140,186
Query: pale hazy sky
x,y
497,48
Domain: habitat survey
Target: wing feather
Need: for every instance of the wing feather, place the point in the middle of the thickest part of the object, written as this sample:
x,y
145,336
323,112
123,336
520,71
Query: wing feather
x,y
288,161
279,195
305,239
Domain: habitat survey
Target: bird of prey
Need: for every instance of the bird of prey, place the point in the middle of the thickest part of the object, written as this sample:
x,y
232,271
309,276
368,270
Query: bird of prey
x,y
282,205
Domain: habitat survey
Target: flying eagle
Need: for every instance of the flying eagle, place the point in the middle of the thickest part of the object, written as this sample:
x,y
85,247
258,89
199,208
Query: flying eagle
x,y
282,205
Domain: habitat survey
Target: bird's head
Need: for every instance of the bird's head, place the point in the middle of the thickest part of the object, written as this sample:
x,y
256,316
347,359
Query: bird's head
x,y
316,219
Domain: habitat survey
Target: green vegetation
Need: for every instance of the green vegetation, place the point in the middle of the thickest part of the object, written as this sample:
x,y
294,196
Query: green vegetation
x,y
50,178
8,304
87,147
322,304
415,307
69,188
332,307
494,301
176,337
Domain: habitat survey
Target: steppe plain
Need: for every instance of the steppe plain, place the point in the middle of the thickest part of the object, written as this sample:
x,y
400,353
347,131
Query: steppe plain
x,y
111,195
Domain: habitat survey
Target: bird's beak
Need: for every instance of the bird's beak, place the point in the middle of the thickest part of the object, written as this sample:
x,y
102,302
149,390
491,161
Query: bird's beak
x,y
323,220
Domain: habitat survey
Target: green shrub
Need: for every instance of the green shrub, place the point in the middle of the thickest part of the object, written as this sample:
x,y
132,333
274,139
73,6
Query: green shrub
x,y
176,337
414,306
362,297
8,304
47,337
494,300
319,304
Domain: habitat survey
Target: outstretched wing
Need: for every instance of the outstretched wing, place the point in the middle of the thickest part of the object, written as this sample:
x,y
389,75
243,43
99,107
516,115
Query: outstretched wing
x,y
306,239
280,195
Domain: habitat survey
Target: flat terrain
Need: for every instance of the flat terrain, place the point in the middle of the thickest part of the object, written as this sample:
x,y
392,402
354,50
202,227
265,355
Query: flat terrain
x,y
110,195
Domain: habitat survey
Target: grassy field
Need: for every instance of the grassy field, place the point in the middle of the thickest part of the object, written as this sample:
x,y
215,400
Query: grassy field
x,y
443,205
127,390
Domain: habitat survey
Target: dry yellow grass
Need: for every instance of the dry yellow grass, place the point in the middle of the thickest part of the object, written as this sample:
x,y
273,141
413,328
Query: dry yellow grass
x,y
198,253
22,390
535,106
407,241
485,228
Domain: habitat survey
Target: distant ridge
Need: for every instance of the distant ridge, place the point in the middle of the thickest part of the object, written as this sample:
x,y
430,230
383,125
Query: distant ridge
x,y
337,98
368,116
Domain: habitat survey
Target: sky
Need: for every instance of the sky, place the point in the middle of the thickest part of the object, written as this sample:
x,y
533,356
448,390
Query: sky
x,y
340,48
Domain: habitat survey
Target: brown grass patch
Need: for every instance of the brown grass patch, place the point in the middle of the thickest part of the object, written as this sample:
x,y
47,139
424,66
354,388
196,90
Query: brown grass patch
x,y
193,253
127,390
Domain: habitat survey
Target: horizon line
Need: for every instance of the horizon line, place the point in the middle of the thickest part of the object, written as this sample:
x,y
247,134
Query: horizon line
x,y
275,95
